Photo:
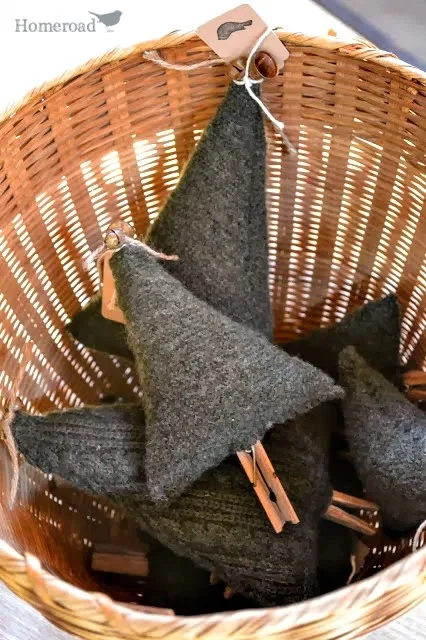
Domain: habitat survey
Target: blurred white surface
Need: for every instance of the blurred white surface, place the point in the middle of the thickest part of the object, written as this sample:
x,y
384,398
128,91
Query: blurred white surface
x,y
29,59
19,621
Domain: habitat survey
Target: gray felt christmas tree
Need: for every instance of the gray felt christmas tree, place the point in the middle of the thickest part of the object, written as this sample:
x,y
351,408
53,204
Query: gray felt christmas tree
x,y
373,329
101,449
212,387
215,221
387,438
98,333
217,523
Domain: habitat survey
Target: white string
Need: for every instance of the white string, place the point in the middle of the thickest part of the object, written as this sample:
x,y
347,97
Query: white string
x,y
354,568
154,56
90,260
416,541
123,239
249,82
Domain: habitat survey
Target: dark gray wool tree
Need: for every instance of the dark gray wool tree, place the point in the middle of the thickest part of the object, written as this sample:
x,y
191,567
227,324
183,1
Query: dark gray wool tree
x,y
387,438
99,448
212,387
96,332
215,221
373,329
218,523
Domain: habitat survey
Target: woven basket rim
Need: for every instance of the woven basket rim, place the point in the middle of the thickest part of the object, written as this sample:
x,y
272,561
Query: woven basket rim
x,y
24,574
51,590
356,48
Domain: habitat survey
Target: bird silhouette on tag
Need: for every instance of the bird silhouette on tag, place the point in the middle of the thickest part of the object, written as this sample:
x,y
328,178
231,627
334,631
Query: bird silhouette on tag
x,y
225,30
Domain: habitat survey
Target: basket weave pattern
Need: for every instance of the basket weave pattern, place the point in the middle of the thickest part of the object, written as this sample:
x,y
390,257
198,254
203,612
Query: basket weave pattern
x,y
345,226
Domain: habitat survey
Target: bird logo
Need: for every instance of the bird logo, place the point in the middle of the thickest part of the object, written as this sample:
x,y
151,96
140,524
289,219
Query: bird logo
x,y
108,19
226,29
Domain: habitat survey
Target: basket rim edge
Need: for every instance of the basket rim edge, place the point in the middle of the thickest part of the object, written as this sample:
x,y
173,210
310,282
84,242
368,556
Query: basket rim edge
x,y
356,48
368,591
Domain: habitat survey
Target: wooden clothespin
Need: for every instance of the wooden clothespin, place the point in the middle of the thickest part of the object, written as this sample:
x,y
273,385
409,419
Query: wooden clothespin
x,y
255,462
267,486
108,558
115,233
415,385
338,515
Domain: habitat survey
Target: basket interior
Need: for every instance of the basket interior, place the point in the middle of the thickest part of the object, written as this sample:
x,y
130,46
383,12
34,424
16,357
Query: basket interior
x,y
345,227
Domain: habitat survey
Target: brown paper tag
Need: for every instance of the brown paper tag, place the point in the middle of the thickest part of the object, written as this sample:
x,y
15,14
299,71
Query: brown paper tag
x,y
110,308
233,35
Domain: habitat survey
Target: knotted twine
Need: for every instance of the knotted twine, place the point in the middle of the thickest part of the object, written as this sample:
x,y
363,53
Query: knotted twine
x,y
246,81
121,239
7,419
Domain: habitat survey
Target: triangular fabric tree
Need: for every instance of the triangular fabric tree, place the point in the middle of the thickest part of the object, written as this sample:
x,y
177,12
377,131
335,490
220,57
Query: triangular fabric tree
x,y
374,329
102,448
212,387
215,221
106,443
387,439
98,333
217,523
221,526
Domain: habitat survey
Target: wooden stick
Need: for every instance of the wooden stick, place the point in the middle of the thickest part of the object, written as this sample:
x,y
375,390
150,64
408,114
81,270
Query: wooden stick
x,y
137,547
337,515
262,492
274,483
415,378
123,563
416,394
345,500
229,592
143,609
213,578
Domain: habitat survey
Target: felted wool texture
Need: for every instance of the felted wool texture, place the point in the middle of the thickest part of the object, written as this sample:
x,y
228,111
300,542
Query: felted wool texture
x,y
90,328
105,443
335,546
215,220
212,387
374,330
219,523
387,438
175,582
100,449
334,541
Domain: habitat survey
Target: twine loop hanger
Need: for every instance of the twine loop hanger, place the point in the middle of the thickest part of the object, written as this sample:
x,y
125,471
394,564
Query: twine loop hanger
x,y
247,81
13,402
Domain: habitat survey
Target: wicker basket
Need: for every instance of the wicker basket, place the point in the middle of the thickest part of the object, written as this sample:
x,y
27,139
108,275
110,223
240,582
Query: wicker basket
x,y
346,226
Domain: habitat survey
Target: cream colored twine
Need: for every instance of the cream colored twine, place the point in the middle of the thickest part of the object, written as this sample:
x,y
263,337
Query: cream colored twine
x,y
7,419
416,541
247,82
123,239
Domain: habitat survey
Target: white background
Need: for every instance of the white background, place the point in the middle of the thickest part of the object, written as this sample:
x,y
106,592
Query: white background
x,y
29,59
